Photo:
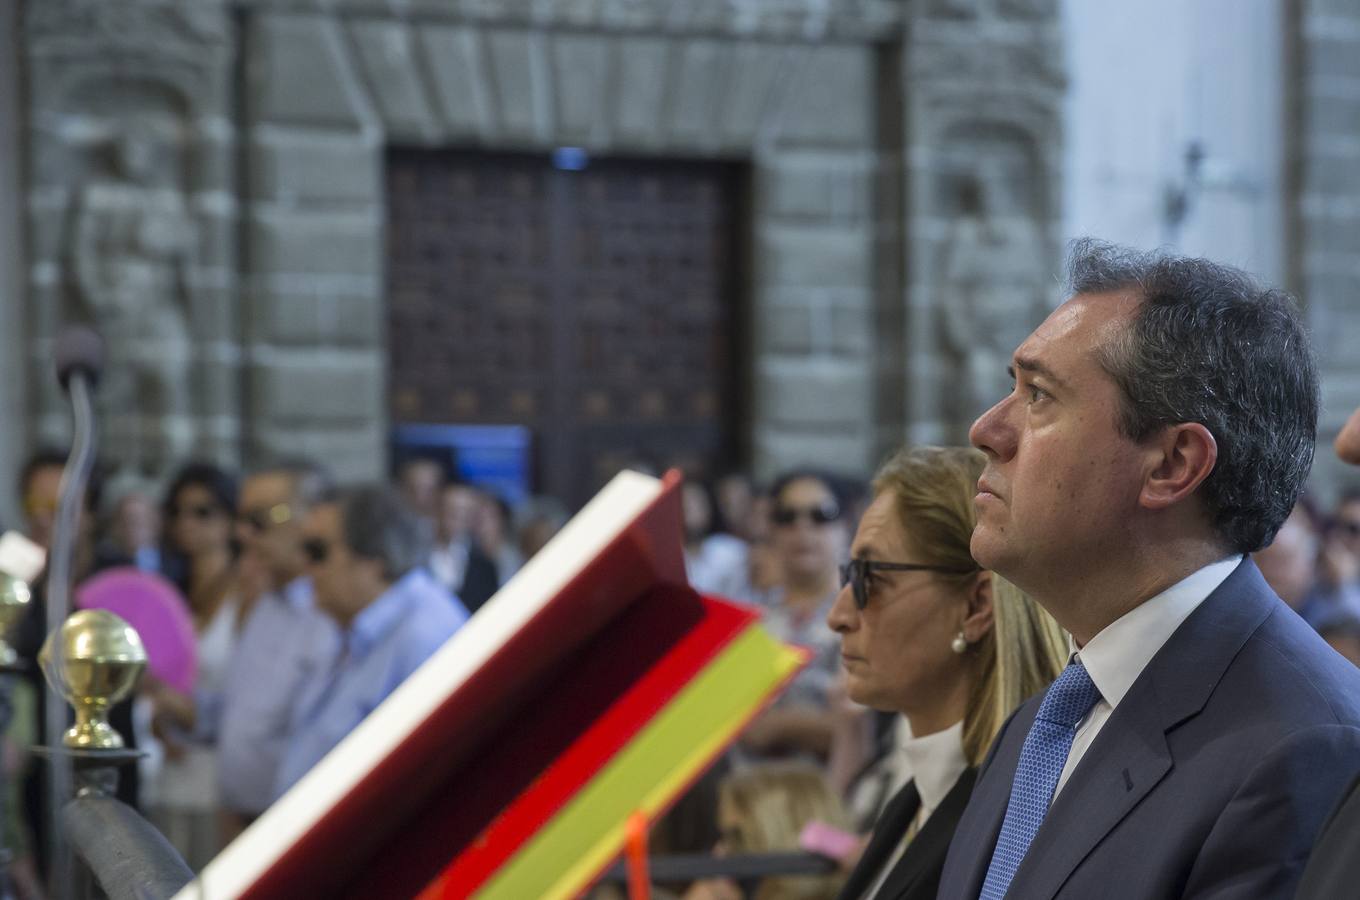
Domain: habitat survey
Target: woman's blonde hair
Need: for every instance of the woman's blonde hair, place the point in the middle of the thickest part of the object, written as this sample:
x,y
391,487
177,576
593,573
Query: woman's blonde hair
x,y
1025,649
770,805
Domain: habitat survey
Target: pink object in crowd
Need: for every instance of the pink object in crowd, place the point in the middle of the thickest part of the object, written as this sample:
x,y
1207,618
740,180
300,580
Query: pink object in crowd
x,y
155,607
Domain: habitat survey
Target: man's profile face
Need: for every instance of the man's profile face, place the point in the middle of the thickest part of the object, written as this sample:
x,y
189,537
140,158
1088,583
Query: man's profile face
x,y
329,561
1346,525
421,480
1061,478
268,524
41,493
457,512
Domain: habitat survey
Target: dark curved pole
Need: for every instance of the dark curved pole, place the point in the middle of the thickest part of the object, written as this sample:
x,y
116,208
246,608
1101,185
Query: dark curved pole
x,y
79,383
128,857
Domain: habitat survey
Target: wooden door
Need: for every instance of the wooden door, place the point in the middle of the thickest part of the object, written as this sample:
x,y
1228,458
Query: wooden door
x,y
598,307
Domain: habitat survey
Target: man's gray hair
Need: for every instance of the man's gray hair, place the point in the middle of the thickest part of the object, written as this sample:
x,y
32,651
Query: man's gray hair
x,y
378,524
1208,344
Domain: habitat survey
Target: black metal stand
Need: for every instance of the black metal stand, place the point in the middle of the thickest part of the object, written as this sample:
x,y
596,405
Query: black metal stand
x,y
94,773
60,570
126,856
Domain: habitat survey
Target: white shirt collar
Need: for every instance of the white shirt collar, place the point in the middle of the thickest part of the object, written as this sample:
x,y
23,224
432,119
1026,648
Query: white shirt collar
x,y
1118,654
937,761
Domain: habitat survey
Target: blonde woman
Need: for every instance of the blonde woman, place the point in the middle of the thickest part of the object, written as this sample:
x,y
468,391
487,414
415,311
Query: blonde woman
x,y
764,809
927,633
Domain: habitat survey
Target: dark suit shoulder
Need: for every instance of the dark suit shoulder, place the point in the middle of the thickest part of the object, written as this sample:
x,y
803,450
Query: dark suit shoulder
x,y
1288,675
1334,868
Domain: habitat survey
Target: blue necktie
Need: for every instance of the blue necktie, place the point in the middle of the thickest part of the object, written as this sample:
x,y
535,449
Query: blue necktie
x,y
1042,758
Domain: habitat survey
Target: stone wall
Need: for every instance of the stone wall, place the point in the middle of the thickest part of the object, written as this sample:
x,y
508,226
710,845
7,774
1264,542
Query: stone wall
x,y
984,85
877,132
1325,250
803,113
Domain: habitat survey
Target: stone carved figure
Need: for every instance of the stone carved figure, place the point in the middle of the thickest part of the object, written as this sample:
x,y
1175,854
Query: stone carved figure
x,y
132,239
993,287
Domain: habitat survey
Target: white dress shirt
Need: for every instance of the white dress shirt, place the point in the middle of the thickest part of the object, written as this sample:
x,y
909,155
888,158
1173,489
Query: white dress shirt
x,y
935,761
883,778
898,764
448,564
1116,656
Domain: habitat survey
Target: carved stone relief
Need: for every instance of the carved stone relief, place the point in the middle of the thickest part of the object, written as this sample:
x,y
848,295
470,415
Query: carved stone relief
x,y
131,148
993,264
131,243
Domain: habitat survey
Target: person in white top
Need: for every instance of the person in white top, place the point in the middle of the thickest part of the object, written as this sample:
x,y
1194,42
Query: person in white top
x,y
182,800
1161,426
927,633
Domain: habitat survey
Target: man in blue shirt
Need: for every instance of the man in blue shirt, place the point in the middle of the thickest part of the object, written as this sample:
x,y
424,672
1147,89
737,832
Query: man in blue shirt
x,y
283,638
364,554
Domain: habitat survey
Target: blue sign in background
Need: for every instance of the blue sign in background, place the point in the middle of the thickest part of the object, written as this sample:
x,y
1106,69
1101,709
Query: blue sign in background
x,y
495,457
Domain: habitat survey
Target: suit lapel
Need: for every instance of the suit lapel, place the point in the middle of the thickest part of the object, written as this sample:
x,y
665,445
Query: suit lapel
x,y
1129,756
1127,760
924,856
975,837
888,831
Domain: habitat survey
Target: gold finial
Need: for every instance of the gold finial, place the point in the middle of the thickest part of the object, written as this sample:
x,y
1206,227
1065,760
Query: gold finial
x,y
14,598
100,659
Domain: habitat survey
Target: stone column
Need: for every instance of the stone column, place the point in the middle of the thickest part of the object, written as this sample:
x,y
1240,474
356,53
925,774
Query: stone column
x,y
315,329
814,266
983,84
1325,237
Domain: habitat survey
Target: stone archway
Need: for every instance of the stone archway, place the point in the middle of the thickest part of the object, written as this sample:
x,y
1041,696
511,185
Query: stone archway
x,y
328,92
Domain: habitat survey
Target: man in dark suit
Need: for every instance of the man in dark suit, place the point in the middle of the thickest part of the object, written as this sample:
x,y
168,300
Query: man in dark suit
x,y
1334,868
1160,428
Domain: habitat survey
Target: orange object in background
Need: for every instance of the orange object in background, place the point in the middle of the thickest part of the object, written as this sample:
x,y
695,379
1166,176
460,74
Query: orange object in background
x,y
639,880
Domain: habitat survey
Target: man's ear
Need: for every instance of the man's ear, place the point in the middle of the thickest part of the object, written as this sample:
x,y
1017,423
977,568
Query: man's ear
x,y
979,616
1180,458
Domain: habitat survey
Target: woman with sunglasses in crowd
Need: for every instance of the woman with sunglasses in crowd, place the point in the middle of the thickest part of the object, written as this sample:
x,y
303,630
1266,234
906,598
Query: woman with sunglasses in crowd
x,y
199,512
809,537
927,633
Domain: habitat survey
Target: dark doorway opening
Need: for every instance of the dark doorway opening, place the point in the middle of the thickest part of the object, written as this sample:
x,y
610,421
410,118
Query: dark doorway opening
x,y
599,307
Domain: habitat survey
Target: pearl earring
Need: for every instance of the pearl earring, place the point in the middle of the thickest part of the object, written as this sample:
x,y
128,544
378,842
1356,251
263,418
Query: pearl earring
x,y
960,644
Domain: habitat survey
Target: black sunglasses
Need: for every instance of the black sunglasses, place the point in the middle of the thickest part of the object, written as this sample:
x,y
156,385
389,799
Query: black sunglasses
x,y
857,571
316,550
818,515
201,511
1350,528
263,519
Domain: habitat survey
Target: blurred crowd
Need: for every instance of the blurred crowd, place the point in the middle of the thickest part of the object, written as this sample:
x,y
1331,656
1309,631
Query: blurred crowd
x,y
310,603
1314,565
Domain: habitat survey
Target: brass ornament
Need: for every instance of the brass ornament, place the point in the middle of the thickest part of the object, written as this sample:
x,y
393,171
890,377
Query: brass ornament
x,y
93,660
14,599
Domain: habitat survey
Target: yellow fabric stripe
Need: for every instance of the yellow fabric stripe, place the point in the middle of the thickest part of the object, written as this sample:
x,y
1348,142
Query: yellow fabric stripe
x,y
664,757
